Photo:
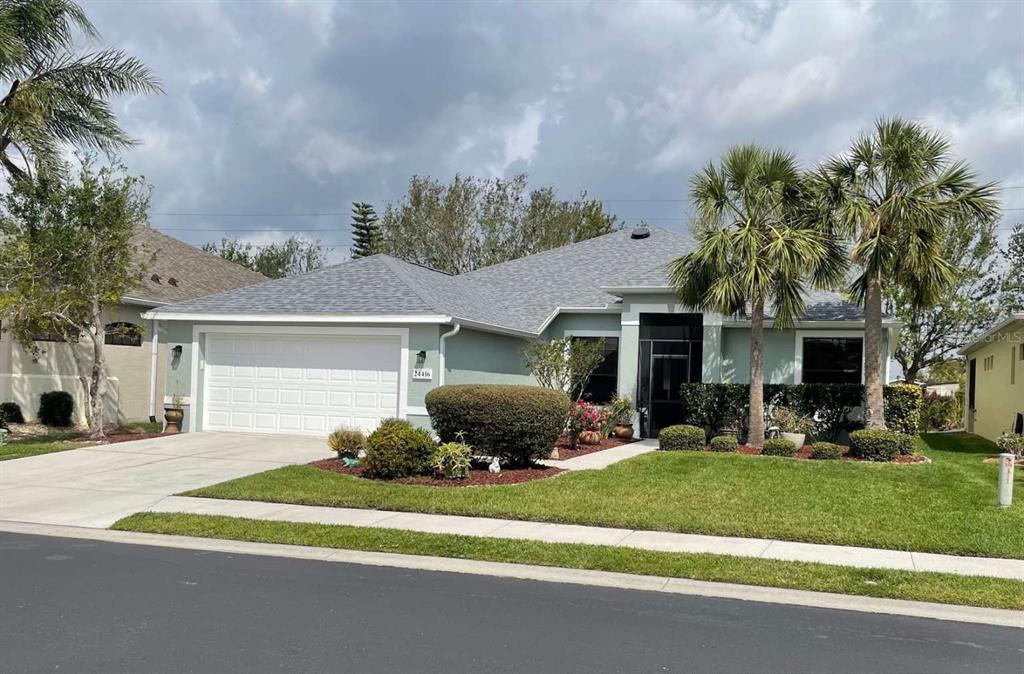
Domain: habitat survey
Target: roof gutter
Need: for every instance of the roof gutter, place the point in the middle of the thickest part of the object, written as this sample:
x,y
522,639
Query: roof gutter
x,y
427,319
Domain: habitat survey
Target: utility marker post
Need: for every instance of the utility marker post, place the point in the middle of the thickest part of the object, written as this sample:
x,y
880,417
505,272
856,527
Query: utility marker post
x,y
1006,479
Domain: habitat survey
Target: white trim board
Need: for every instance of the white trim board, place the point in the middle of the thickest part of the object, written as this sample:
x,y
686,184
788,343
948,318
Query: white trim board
x,y
199,354
428,319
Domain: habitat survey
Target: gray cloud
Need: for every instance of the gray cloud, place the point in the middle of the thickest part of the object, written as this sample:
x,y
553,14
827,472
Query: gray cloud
x,y
303,107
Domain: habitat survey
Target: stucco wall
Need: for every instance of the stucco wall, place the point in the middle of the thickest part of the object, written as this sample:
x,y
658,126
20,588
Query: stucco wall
x,y
23,379
999,393
779,352
602,325
475,357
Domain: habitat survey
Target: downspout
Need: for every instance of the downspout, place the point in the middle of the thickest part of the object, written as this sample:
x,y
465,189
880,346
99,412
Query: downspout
x,y
441,352
154,358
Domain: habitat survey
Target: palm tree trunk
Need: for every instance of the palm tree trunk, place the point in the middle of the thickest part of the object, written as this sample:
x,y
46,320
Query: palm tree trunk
x,y
874,408
755,437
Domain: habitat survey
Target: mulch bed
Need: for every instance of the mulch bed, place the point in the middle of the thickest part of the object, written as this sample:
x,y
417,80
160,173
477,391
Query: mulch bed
x,y
805,454
478,475
562,445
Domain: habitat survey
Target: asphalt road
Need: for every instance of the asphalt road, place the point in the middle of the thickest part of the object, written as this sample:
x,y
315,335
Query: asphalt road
x,y
74,605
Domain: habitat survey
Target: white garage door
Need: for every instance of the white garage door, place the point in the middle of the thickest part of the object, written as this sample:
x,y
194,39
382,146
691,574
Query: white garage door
x,y
308,384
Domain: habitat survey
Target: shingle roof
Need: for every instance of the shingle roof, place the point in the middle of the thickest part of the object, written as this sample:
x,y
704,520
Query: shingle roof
x,y
520,295
195,272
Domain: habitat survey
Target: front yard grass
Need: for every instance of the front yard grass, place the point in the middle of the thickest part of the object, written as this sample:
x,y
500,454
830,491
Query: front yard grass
x,y
64,440
948,506
885,583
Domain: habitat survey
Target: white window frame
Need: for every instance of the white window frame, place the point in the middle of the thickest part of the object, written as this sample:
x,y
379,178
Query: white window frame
x,y
798,356
200,333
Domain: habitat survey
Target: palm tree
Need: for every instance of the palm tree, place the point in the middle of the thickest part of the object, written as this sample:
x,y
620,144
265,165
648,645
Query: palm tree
x,y
755,251
894,193
56,95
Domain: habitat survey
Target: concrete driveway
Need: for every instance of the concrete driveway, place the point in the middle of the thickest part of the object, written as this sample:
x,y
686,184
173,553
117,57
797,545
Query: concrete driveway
x,y
96,486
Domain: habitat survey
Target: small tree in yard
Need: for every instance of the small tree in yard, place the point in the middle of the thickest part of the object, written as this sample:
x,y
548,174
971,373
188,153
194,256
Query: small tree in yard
x,y
67,257
565,365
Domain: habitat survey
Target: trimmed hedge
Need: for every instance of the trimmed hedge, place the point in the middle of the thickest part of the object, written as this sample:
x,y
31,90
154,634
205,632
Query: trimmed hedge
x,y
876,444
778,447
11,412
56,408
903,408
682,437
714,406
724,443
826,451
396,449
517,424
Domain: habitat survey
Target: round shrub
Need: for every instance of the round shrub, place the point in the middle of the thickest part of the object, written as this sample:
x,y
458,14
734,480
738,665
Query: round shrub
x,y
347,442
877,444
682,437
1011,443
778,447
517,424
826,451
11,412
453,460
724,443
396,449
56,408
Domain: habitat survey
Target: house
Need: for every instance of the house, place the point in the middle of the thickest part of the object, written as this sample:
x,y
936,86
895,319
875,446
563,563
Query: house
x,y
360,341
178,273
995,379
943,389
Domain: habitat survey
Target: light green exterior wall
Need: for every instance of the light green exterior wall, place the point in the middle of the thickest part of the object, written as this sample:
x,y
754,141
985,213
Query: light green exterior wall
x,y
779,354
601,325
475,357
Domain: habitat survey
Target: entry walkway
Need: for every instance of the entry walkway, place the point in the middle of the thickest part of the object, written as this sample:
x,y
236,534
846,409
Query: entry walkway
x,y
570,533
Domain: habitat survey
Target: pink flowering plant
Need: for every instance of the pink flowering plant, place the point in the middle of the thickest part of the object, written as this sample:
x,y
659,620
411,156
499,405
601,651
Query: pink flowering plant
x,y
586,416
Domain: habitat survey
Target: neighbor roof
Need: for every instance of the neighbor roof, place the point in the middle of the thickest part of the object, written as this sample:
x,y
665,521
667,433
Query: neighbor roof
x,y
984,337
521,295
195,272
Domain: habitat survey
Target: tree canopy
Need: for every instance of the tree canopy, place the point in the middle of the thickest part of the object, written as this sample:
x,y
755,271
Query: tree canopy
x,y
56,94
470,223
67,257
275,260
365,230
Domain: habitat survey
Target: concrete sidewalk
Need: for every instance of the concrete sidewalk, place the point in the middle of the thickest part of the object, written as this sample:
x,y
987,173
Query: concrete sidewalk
x,y
570,533
604,458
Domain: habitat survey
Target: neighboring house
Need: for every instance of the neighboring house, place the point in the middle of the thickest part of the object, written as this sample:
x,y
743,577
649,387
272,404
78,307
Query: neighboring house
x,y
135,366
944,389
360,341
995,379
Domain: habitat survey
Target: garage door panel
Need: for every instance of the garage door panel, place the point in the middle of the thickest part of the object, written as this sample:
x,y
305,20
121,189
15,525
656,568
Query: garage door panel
x,y
299,383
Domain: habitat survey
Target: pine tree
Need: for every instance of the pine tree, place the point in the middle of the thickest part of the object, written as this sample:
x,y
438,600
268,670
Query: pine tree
x,y
365,231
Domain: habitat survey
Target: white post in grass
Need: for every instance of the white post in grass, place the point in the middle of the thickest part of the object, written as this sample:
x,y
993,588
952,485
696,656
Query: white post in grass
x,y
1005,480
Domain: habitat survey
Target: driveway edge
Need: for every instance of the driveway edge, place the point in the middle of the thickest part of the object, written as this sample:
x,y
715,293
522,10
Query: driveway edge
x,y
967,614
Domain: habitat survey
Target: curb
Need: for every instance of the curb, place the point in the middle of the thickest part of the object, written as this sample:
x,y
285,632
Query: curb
x,y
681,586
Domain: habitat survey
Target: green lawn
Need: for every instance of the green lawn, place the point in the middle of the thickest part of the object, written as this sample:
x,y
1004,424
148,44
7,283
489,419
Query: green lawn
x,y
948,506
59,442
919,586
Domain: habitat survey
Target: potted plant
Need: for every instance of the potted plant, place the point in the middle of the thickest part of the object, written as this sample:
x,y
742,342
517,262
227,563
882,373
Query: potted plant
x,y
173,414
792,426
587,421
622,417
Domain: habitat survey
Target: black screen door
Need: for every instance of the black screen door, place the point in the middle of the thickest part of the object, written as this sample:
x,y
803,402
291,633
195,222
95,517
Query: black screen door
x,y
671,347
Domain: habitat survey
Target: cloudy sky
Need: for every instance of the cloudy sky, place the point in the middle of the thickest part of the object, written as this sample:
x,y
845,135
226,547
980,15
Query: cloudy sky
x,y
279,114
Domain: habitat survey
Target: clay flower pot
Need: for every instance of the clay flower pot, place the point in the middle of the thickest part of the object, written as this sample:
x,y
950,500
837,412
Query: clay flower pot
x,y
173,417
590,437
623,431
